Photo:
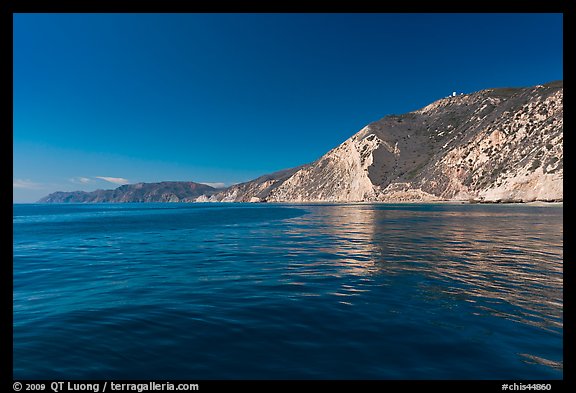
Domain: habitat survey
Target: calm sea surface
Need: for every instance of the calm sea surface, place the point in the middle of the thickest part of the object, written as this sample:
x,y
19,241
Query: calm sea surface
x,y
265,291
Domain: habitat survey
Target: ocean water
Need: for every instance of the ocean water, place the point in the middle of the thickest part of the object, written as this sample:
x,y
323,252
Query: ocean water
x,y
272,291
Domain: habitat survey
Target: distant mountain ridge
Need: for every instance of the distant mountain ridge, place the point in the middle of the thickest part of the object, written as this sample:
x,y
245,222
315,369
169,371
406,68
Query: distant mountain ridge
x,y
494,145
167,191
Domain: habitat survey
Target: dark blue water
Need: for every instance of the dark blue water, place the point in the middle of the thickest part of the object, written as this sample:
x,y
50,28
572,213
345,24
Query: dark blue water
x,y
259,291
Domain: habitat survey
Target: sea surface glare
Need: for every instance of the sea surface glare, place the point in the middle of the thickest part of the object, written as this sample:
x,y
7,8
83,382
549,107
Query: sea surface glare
x,y
270,291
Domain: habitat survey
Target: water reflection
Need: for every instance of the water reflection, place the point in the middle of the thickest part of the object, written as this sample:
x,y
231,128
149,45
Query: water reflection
x,y
502,261
506,256
316,291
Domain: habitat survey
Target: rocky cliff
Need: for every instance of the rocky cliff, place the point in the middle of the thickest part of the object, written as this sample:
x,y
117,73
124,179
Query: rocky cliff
x,y
495,145
168,191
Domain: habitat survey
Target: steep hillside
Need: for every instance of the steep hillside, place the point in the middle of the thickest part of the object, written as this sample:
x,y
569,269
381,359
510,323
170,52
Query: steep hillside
x,y
493,145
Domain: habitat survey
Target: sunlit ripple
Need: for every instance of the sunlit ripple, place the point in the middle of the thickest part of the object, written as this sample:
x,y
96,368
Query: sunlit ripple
x,y
305,291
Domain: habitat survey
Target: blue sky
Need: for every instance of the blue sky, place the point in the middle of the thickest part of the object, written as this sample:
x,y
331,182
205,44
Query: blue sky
x,y
104,99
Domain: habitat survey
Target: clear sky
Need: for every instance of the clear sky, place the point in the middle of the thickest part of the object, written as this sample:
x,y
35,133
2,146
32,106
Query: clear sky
x,y
104,99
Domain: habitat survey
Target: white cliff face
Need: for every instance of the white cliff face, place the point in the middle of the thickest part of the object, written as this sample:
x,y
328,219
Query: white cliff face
x,y
515,157
339,176
527,186
493,145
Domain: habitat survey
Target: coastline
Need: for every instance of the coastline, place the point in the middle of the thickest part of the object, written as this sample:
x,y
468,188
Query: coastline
x,y
414,202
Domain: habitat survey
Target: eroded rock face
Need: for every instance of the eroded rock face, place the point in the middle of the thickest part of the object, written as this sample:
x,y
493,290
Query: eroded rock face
x,y
340,175
492,145
514,152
